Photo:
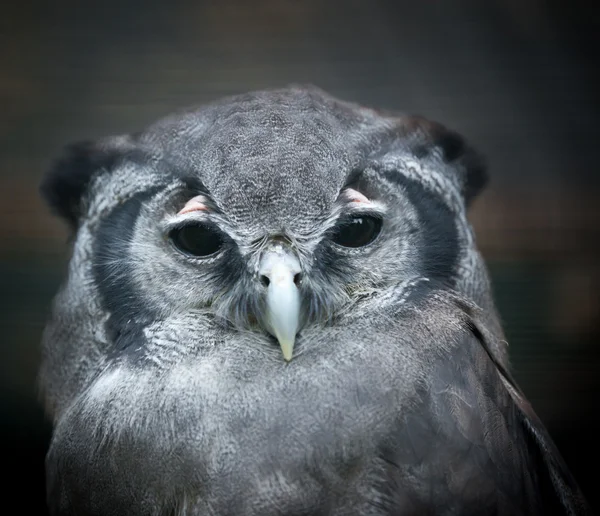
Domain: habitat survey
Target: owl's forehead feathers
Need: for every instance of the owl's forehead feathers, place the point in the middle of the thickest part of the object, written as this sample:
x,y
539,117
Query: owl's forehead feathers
x,y
272,161
275,160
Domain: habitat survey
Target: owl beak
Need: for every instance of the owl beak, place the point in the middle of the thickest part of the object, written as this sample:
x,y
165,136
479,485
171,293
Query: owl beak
x,y
279,271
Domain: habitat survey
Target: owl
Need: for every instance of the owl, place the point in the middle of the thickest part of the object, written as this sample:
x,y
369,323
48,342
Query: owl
x,y
275,305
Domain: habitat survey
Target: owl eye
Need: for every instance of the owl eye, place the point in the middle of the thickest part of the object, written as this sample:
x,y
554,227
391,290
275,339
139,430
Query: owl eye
x,y
358,231
197,239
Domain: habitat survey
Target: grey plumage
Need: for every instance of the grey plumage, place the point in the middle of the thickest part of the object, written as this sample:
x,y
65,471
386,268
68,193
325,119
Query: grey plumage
x,y
167,390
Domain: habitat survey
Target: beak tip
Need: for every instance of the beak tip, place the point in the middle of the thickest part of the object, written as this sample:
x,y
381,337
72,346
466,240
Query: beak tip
x,y
287,349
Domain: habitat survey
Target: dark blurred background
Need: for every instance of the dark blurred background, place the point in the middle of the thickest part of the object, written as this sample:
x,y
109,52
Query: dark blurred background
x,y
519,78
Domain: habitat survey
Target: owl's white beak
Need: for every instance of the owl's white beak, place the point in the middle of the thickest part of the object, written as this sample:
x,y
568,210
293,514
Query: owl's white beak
x,y
279,271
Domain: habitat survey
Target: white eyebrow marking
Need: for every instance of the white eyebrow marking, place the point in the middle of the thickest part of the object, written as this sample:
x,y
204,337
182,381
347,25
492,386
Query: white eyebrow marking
x,y
197,203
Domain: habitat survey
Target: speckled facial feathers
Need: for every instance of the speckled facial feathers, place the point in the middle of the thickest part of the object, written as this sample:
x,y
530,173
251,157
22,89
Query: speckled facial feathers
x,y
160,370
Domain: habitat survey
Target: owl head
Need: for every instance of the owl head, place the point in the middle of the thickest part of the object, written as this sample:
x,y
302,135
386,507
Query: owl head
x,y
269,212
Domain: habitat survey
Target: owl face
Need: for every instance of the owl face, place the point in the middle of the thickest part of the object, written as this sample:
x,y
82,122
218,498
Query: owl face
x,y
270,212
232,264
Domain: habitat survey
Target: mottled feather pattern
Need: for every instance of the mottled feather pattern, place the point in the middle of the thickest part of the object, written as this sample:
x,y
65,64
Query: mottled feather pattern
x,y
169,396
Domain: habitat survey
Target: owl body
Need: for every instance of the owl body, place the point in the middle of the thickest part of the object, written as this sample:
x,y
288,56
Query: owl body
x,y
283,220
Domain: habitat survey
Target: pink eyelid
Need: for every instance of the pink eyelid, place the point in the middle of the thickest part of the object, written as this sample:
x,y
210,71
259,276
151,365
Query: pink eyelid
x,y
194,204
354,196
197,203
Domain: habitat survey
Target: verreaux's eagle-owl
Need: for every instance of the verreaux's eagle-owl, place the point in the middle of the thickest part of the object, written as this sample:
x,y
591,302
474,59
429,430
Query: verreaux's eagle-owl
x,y
275,306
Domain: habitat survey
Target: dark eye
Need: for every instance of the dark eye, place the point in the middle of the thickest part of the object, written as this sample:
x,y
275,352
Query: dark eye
x,y
358,231
197,239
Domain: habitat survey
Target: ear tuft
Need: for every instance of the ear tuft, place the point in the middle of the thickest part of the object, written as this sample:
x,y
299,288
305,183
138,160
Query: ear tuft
x,y
463,164
65,184
67,179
